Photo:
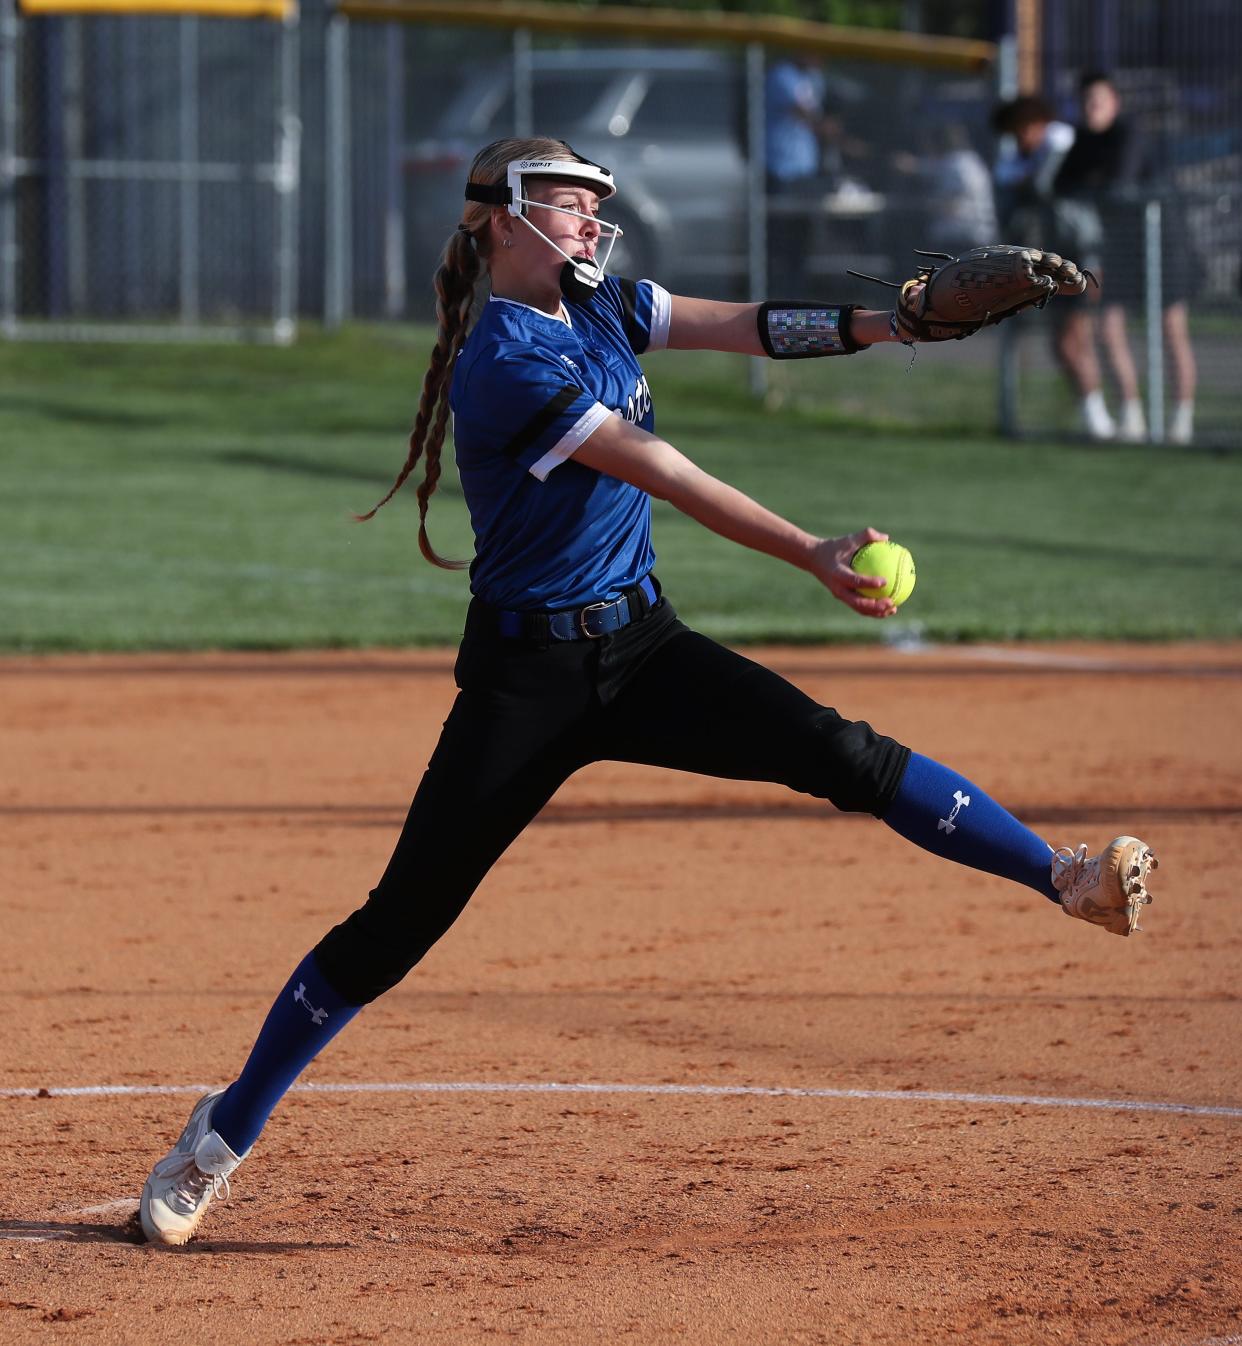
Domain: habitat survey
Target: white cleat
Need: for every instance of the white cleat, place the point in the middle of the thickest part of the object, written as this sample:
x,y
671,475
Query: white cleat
x,y
1109,889
183,1183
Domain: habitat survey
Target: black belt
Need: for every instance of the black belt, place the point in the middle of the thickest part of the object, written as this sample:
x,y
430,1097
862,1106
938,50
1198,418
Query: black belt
x,y
588,623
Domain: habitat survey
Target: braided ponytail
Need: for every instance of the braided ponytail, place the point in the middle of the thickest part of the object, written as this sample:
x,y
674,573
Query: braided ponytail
x,y
455,282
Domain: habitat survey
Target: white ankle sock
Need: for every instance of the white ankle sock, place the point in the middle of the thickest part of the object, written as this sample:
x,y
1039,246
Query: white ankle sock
x,y
1133,421
1095,417
1182,423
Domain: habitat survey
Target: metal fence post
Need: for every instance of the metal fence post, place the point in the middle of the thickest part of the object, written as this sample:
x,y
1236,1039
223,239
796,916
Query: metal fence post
x,y
75,148
135,283
288,177
1153,293
51,109
338,240
8,167
1007,84
188,196
756,196
394,178
523,84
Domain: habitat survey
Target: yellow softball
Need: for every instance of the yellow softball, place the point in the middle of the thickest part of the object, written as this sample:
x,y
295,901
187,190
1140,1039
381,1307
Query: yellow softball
x,y
890,560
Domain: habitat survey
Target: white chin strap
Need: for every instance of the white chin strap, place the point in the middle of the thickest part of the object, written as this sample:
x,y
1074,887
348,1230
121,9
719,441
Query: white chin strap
x,y
588,273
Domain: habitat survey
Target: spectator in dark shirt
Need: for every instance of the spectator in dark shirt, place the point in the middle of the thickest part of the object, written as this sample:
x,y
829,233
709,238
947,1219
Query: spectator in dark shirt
x,y
1035,148
1099,191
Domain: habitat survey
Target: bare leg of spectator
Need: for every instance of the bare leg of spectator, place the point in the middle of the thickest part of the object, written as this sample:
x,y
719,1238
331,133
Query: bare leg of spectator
x,y
1133,423
1074,344
1185,372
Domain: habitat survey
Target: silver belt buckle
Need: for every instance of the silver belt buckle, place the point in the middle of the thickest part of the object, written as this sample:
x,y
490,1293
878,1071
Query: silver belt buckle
x,y
581,619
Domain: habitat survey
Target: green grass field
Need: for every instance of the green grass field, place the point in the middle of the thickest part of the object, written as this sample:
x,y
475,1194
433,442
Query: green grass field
x,y
172,497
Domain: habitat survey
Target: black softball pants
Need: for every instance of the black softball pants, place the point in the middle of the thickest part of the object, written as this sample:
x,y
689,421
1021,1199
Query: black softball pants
x,y
527,717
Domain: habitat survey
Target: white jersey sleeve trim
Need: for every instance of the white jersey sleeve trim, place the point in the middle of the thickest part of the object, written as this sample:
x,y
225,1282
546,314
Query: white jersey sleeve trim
x,y
661,316
586,424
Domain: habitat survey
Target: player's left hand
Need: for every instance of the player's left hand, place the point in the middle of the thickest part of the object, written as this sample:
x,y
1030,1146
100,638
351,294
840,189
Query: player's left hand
x,y
983,287
830,564
950,298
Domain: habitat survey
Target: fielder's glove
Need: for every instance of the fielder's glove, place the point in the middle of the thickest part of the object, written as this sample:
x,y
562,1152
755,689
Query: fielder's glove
x,y
983,287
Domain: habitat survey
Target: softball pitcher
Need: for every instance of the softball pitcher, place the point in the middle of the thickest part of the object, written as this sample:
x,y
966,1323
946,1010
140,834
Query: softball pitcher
x,y
571,652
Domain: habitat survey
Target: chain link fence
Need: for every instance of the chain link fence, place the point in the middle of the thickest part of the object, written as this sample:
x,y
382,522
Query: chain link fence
x,y
908,164
148,176
683,129
149,173
677,127
1163,219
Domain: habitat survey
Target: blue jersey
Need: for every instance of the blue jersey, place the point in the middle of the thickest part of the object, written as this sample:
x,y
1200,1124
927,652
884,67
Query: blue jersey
x,y
527,390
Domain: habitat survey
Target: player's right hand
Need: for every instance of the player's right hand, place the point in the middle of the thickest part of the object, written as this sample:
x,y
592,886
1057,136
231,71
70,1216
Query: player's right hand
x,y
830,564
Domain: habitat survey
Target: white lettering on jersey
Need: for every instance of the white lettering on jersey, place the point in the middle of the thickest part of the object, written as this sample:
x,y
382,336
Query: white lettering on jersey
x,y
638,404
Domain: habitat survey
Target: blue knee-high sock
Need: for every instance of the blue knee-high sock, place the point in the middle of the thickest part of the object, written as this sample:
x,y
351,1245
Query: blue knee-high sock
x,y
307,1015
945,813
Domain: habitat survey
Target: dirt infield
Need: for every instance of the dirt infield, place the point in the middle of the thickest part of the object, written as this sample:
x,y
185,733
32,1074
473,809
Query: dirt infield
x,y
178,831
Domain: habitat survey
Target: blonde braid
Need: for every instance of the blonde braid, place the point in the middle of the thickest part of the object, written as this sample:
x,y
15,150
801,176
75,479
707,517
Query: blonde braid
x,y
455,282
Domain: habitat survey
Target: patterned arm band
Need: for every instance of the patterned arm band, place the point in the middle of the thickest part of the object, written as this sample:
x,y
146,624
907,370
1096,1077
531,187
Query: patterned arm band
x,y
792,331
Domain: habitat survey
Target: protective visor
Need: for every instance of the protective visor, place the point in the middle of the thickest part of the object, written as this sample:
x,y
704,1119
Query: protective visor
x,y
578,272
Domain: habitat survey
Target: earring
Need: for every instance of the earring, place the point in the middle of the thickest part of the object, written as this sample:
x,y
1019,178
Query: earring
x,y
506,243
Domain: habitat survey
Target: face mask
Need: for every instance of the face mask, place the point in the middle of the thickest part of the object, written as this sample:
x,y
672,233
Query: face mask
x,y
579,278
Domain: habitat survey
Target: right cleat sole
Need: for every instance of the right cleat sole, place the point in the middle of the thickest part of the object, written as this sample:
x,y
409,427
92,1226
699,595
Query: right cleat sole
x,y
1135,861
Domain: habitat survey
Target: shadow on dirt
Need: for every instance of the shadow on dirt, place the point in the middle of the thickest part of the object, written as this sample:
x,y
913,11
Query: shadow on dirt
x,y
75,1231
129,1231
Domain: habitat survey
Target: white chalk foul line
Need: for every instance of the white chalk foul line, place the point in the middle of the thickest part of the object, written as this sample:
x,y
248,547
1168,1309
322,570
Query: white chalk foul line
x,y
125,1203
680,1090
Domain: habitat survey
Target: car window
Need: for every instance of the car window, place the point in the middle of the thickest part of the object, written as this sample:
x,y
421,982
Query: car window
x,y
690,104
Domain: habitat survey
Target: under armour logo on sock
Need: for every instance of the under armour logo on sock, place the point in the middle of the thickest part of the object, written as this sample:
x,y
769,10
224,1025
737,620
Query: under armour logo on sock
x,y
947,824
319,1015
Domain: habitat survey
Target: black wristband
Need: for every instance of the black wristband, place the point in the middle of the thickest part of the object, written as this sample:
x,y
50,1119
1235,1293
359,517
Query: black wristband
x,y
795,330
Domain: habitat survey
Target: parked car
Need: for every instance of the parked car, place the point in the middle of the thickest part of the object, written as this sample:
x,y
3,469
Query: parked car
x,y
669,123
